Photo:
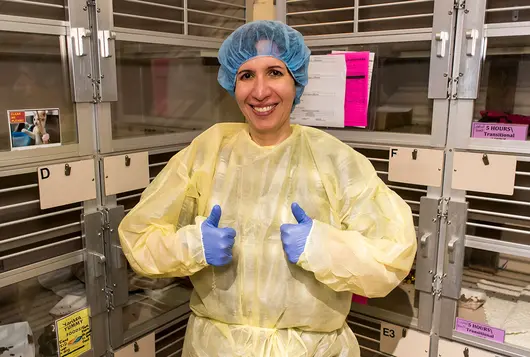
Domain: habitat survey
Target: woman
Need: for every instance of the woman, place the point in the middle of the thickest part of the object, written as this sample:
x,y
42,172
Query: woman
x,y
276,224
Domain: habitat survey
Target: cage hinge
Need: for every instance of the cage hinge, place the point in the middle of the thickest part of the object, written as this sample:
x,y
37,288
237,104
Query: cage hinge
x,y
442,213
437,285
109,296
459,4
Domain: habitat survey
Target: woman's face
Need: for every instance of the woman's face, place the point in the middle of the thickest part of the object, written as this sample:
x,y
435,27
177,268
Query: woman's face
x,y
265,93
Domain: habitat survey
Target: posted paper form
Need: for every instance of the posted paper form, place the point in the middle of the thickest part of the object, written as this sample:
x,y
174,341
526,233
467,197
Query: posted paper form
x,y
323,101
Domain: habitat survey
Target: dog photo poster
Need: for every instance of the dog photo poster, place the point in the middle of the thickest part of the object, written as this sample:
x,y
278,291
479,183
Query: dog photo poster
x,y
34,128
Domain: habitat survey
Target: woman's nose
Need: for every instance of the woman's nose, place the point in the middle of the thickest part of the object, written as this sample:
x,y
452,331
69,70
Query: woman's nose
x,y
261,89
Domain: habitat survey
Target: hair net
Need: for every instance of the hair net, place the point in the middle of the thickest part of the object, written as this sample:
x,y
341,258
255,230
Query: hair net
x,y
264,38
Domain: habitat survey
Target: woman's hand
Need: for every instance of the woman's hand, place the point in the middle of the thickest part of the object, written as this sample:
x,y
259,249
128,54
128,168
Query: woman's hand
x,y
294,236
217,242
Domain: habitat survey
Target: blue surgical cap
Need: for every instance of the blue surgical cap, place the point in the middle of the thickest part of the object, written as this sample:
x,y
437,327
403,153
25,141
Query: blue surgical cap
x,y
264,38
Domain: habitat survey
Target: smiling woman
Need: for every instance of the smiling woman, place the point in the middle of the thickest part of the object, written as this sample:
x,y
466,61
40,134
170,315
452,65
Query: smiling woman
x,y
275,224
265,93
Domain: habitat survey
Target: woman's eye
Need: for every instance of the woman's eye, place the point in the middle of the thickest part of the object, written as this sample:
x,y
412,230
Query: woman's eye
x,y
276,73
245,76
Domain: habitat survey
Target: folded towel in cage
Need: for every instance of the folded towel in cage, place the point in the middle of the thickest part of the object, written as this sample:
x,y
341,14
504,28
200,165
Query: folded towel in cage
x,y
501,299
518,321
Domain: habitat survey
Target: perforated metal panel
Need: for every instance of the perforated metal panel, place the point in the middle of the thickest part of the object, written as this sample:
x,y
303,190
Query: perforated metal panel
x,y
156,163
367,332
506,11
500,217
41,9
322,17
169,340
411,194
29,234
208,18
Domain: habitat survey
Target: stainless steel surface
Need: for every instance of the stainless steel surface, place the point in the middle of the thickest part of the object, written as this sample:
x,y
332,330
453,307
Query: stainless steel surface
x,y
107,54
95,262
42,267
40,216
319,18
395,3
455,240
428,231
141,17
166,6
36,3
50,245
471,49
505,9
513,249
79,51
497,228
441,49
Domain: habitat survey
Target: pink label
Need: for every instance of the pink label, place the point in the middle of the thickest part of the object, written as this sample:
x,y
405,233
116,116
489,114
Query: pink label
x,y
359,299
479,330
500,131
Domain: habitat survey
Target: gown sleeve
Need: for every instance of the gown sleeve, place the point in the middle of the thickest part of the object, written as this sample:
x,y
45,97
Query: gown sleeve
x,y
374,249
159,236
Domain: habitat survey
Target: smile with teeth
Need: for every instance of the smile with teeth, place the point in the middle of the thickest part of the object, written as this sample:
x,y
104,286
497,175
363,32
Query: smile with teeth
x,y
264,109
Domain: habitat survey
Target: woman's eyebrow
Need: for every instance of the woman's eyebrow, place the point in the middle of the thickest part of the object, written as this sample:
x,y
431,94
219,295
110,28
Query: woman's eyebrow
x,y
244,71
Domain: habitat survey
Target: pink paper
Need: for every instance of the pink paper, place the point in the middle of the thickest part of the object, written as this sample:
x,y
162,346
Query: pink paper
x,y
357,79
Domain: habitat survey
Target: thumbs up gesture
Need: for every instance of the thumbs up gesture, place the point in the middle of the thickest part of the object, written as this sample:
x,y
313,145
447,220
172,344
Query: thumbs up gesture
x,y
218,242
294,236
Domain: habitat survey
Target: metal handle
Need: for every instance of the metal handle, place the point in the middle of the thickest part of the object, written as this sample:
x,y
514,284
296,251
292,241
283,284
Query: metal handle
x,y
79,34
424,240
441,39
105,36
99,263
118,256
471,42
451,249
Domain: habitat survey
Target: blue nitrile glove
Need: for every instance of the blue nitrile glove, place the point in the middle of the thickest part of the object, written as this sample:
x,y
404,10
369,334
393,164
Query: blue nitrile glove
x,y
294,236
218,242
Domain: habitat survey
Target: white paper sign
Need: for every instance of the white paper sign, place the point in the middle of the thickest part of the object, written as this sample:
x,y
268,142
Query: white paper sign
x,y
402,342
67,183
322,103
